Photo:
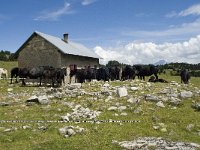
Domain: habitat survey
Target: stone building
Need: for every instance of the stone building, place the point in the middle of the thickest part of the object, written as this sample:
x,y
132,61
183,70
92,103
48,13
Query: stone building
x,y
45,50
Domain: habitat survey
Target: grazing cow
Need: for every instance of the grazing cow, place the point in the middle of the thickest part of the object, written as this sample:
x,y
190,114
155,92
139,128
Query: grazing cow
x,y
14,74
81,75
103,74
23,73
128,72
42,73
60,75
50,73
35,73
3,73
114,73
185,76
146,70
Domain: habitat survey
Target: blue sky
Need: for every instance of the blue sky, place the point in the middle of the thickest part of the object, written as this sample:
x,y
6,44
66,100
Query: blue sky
x,y
130,31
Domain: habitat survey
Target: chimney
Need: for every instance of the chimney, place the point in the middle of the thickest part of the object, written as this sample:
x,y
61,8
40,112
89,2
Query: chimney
x,y
65,37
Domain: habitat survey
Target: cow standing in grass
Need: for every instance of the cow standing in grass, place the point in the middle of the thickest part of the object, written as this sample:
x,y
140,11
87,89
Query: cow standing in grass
x,y
128,72
146,70
14,74
185,76
45,73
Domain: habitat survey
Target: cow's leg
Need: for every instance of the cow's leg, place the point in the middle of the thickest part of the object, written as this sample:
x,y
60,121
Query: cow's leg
x,y
40,81
23,82
156,76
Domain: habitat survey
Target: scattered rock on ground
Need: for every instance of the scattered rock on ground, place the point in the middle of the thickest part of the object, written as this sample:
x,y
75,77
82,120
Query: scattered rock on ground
x,y
122,92
69,131
186,94
145,143
160,104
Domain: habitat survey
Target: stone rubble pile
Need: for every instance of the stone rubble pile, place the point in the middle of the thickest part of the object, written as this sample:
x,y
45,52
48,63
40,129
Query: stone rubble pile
x,y
79,113
69,131
158,143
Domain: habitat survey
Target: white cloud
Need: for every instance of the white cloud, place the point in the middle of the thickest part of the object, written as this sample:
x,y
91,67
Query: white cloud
x,y
193,10
87,2
148,53
179,30
54,15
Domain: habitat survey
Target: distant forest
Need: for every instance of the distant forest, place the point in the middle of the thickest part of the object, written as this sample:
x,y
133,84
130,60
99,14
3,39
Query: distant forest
x,y
7,56
175,68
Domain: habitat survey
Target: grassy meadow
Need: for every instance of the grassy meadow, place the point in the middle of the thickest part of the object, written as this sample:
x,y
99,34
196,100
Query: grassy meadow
x,y
98,136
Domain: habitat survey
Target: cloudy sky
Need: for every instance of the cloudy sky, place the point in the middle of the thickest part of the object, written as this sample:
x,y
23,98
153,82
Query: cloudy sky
x,y
129,31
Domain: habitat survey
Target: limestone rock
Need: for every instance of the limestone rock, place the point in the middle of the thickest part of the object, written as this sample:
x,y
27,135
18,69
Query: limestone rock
x,y
151,98
133,100
186,94
106,85
68,131
122,92
112,108
43,100
134,88
160,104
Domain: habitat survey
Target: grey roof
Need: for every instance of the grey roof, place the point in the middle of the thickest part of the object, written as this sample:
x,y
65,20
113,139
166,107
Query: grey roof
x,y
69,47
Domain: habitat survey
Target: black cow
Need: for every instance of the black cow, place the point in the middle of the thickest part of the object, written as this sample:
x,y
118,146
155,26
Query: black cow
x,y
128,72
56,75
146,70
153,79
103,74
23,73
14,74
60,75
114,73
50,73
82,75
185,76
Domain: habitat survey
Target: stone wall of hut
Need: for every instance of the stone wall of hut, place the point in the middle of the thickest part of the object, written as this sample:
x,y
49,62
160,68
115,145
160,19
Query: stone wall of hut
x,y
81,62
39,52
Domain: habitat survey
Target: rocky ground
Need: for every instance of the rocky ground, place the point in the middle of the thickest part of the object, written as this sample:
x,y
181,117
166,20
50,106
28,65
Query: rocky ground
x,y
87,102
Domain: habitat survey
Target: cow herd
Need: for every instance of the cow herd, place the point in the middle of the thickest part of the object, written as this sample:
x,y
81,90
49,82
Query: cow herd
x,y
43,73
113,73
56,76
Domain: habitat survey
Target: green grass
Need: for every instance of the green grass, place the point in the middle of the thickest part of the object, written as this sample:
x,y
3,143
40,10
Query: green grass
x,y
95,136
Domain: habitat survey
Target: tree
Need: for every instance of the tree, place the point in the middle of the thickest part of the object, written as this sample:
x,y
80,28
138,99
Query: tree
x,y
7,56
112,63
